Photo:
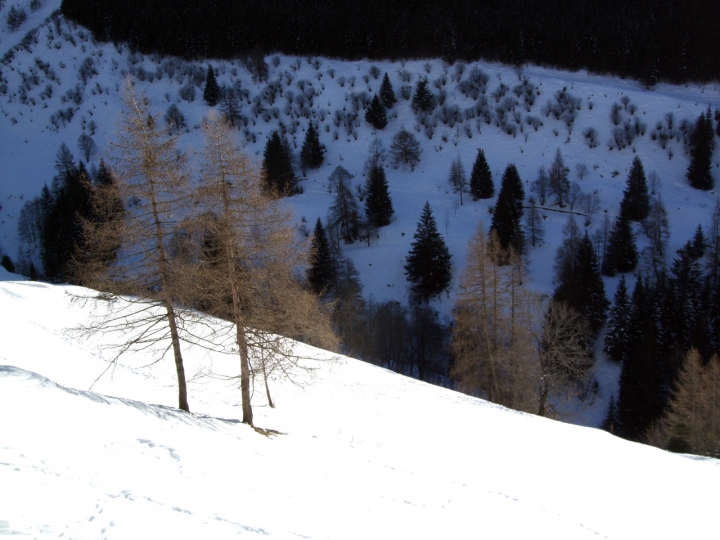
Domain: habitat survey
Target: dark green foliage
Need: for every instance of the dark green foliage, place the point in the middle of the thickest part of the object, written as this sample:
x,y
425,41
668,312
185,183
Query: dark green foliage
x,y
69,204
617,338
375,113
211,94
611,421
322,272
312,153
387,94
378,205
702,144
698,245
422,100
428,263
636,201
642,393
608,37
621,255
7,264
481,182
277,170
506,219
581,287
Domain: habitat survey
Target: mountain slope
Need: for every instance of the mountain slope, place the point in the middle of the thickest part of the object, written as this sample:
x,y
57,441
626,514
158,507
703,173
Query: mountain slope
x,y
363,453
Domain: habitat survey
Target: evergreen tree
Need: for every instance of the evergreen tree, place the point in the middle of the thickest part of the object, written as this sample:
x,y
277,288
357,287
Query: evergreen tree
x,y
322,271
508,211
457,178
378,205
277,170
375,113
636,202
387,94
698,245
641,397
428,263
559,180
312,153
211,94
581,287
621,255
617,338
422,100
611,421
702,144
481,182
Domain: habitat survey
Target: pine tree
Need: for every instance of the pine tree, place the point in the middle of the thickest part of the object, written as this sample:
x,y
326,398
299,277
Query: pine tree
x,y
581,287
378,205
508,211
457,178
387,94
617,338
375,113
211,94
559,180
621,255
277,170
641,396
428,263
312,153
481,182
702,144
611,421
636,202
322,271
422,99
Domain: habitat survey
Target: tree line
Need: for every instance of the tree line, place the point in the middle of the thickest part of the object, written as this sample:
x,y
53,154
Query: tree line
x,y
644,39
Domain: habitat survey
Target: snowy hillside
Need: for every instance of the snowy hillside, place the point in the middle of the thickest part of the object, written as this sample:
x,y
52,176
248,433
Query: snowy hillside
x,y
59,84
363,453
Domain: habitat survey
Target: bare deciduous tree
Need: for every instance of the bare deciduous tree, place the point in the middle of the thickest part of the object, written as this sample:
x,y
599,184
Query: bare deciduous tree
x,y
249,271
151,178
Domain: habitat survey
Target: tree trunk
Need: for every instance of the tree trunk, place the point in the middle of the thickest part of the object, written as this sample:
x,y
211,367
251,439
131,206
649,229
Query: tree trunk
x,y
179,367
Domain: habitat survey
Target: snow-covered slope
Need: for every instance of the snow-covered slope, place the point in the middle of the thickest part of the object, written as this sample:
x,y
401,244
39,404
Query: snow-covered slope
x,y
363,453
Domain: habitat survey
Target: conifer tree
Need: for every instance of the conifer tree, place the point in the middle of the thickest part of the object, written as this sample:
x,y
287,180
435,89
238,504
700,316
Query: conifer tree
x,y
636,202
428,263
508,211
611,421
702,144
211,93
641,397
481,182
581,287
534,225
457,178
387,94
621,255
375,113
312,153
617,338
422,100
378,205
322,272
277,170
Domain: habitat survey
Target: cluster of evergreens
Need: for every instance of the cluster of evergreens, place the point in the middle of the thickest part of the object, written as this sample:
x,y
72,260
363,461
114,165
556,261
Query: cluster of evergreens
x,y
644,39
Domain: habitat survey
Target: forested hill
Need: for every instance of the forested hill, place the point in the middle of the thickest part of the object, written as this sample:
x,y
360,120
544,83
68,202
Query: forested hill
x,y
644,39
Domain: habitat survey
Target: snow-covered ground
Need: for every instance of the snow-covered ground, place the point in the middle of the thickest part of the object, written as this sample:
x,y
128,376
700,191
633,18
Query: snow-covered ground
x,y
363,452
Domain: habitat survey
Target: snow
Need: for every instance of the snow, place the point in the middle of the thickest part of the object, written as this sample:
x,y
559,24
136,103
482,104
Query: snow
x,y
362,453
365,452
